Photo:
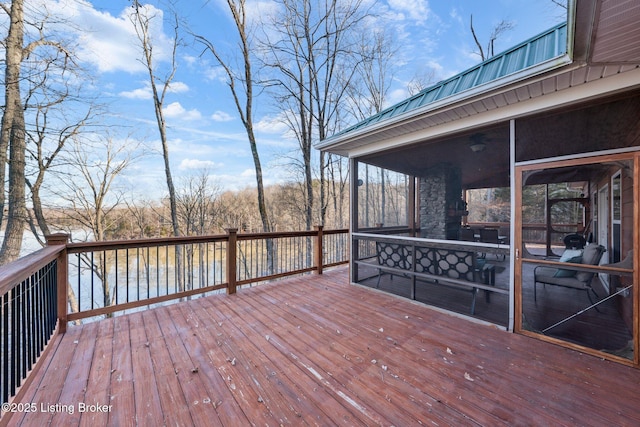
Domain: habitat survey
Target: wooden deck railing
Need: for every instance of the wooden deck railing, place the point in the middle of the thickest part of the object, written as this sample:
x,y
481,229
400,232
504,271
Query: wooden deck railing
x,y
29,312
102,278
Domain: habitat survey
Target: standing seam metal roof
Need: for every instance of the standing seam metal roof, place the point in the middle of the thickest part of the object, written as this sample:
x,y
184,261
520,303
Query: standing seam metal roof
x,y
543,47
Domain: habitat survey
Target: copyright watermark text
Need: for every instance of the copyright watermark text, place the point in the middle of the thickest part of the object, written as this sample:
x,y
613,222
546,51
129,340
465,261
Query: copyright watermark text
x,y
63,408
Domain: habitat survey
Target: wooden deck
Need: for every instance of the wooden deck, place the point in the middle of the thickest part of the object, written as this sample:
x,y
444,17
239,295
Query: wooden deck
x,y
317,351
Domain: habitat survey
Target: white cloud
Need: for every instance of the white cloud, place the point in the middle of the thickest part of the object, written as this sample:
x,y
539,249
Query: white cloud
x,y
397,95
140,93
187,164
178,87
190,59
176,111
416,10
272,125
215,74
145,92
109,42
221,116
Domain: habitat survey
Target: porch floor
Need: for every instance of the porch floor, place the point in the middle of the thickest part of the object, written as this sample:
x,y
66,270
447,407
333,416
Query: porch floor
x,y
316,350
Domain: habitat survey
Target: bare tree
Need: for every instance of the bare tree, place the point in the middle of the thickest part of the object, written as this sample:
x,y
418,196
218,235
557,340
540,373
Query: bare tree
x,y
160,85
421,80
241,85
313,47
500,28
92,195
560,3
368,92
143,218
46,144
30,59
12,135
197,201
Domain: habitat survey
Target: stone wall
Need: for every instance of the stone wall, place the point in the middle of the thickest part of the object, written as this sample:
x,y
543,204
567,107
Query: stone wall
x,y
440,189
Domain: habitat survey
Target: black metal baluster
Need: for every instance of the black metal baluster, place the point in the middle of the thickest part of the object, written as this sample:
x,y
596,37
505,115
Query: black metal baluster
x,y
31,321
148,271
5,347
137,274
215,259
105,273
14,340
50,306
41,309
79,298
23,331
126,256
54,297
92,281
157,272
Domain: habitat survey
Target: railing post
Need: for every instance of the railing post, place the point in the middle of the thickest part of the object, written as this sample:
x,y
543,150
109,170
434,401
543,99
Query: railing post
x,y
62,278
231,259
317,249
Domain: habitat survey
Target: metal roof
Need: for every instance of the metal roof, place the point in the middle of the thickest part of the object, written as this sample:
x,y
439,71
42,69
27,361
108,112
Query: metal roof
x,y
543,47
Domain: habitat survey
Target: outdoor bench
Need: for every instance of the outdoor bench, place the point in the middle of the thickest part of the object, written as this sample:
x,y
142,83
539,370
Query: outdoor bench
x,y
455,267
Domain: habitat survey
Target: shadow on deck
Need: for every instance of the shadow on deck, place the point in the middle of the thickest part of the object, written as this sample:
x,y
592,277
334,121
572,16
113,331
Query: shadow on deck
x,y
316,350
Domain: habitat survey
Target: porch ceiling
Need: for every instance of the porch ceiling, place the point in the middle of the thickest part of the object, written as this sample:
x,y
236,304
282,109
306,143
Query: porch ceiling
x,y
487,168
606,124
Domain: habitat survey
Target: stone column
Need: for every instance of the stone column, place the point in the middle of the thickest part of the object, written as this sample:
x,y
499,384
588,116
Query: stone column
x,y
440,196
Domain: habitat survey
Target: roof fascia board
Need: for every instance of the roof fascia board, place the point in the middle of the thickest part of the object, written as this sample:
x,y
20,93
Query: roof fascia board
x,y
570,96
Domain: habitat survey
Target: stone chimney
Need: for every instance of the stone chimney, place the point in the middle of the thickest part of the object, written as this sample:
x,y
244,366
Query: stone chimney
x,y
440,199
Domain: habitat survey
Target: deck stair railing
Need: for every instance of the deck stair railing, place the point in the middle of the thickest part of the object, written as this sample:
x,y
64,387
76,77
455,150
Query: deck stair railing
x,y
66,282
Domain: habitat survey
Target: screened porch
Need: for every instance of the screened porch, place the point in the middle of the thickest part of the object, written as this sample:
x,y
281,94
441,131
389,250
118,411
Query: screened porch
x,y
483,223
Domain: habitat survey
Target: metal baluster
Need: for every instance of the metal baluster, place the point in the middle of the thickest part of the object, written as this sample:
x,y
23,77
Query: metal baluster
x,y
164,270
14,340
105,273
148,271
126,255
41,309
92,280
5,347
79,276
31,308
23,331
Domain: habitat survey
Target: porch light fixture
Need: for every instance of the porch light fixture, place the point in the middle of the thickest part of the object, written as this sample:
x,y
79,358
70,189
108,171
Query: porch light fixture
x,y
477,143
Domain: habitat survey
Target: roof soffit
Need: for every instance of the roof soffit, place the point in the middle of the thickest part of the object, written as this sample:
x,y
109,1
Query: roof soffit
x,y
616,33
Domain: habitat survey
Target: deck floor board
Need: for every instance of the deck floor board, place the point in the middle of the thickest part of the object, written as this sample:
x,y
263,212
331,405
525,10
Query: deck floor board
x,y
315,350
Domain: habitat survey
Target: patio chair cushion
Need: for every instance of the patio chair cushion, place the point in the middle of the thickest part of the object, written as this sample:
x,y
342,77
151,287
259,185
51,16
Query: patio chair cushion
x,y
590,255
570,255
581,280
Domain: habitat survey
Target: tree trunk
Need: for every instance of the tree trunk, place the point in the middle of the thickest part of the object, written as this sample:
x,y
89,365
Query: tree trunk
x,y
13,137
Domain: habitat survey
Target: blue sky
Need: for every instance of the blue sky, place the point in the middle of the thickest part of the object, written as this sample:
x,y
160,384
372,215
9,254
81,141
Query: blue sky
x,y
204,128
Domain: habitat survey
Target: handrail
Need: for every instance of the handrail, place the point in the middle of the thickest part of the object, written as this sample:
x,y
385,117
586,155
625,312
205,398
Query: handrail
x,y
143,243
15,272
29,317
587,268
498,248
181,267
